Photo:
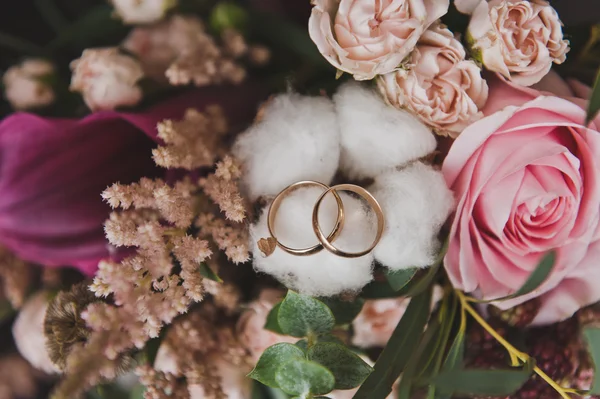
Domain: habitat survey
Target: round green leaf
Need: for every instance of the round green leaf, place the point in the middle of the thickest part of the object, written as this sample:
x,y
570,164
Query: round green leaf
x,y
343,311
348,368
228,15
299,377
271,359
302,315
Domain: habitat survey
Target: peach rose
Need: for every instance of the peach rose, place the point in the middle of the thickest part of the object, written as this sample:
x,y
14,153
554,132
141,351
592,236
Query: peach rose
x,y
516,38
25,87
526,177
107,79
251,332
157,46
370,37
378,318
442,88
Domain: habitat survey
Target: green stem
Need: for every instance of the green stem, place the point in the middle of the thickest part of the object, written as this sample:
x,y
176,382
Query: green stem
x,y
53,16
514,352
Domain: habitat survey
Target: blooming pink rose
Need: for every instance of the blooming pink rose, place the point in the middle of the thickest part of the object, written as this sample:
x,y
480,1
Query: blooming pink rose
x,y
442,88
516,38
54,170
370,37
251,325
526,177
107,79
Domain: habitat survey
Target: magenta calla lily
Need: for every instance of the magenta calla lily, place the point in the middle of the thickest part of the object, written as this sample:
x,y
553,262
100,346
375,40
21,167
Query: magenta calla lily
x,y
52,172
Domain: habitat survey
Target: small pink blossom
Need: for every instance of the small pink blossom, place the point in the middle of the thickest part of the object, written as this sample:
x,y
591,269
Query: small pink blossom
x,y
372,37
26,85
439,85
251,325
107,79
516,38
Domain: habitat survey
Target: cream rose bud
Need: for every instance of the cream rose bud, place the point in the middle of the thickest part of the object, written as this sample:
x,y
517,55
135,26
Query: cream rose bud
x,y
107,79
251,325
142,11
25,87
443,89
370,37
28,333
516,38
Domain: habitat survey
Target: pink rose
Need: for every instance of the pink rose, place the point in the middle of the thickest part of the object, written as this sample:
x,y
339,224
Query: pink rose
x,y
370,37
251,325
526,177
516,38
442,88
107,79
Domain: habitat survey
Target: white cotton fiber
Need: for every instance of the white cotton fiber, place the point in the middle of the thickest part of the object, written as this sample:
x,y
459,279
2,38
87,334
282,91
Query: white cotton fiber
x,y
416,203
322,274
376,136
297,138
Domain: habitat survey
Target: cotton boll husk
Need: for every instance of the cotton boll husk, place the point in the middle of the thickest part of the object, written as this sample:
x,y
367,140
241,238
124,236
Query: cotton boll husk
x,y
416,203
321,274
296,138
376,136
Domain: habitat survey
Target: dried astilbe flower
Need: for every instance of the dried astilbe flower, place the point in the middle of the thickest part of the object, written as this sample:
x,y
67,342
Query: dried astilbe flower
x,y
232,238
212,360
16,378
63,325
194,141
160,385
223,188
15,276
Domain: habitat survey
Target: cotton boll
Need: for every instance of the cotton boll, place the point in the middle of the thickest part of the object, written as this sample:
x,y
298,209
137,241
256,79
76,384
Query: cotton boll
x,y
376,136
296,138
416,202
321,274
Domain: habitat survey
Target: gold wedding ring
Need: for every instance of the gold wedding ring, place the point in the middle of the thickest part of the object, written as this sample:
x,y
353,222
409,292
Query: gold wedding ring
x,y
268,245
370,199
337,228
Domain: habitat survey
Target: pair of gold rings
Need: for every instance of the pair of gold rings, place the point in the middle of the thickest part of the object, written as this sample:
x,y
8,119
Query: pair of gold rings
x,y
268,245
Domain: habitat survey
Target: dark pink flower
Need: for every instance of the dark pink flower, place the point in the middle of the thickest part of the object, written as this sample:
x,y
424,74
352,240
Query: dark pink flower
x,y
52,172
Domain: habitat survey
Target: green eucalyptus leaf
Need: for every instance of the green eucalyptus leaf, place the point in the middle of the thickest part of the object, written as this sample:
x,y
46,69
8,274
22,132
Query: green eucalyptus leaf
x,y
456,353
592,337
347,367
330,338
302,344
206,271
272,324
302,315
481,382
398,279
343,311
398,350
266,367
594,101
535,279
378,290
300,376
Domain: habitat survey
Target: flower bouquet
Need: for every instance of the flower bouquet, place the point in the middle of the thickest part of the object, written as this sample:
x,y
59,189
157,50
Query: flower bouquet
x,y
277,199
